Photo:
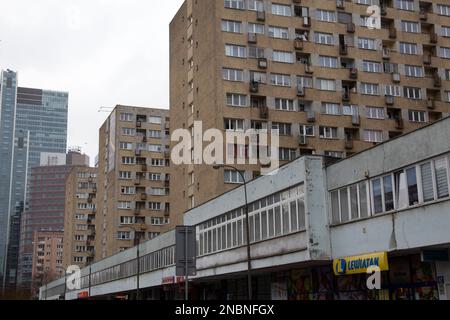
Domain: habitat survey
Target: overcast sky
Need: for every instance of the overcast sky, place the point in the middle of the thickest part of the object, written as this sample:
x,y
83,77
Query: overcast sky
x,y
103,52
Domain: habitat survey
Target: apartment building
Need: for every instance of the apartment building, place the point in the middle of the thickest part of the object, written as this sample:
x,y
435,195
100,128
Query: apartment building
x,y
79,216
133,179
333,80
47,257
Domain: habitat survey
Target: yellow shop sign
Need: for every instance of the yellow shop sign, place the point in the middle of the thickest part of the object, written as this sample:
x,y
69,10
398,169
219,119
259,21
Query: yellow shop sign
x,y
360,264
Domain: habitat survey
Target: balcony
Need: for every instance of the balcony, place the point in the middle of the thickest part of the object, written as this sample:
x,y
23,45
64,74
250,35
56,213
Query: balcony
x,y
303,141
307,22
431,104
254,87
300,91
340,4
138,152
427,59
399,124
138,124
144,197
298,44
423,15
396,78
437,81
351,28
356,120
309,69
144,168
349,145
392,33
343,49
345,96
386,54
353,73
264,112
433,38
389,100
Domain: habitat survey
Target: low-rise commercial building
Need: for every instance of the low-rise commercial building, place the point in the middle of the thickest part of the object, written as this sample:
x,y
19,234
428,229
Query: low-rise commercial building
x,y
315,226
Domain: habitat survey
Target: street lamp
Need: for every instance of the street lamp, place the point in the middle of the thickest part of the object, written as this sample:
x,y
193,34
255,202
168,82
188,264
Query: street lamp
x,y
247,226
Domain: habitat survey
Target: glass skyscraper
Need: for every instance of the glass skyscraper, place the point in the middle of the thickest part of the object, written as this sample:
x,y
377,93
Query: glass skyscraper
x,y
31,121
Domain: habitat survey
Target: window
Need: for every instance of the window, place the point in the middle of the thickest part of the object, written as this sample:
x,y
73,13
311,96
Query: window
x,y
282,56
375,113
304,82
371,66
366,43
255,52
155,206
408,48
124,235
154,148
284,104
280,80
352,110
155,176
405,5
370,88
236,100
414,71
445,52
326,84
128,190
366,2
331,109
256,28
124,205
391,90
234,124
259,77
307,130
373,136
127,220
323,38
284,129
334,154
328,62
445,31
155,120
233,74
412,93
417,116
441,174
443,10
255,5
231,26
128,131
325,15
278,32
158,163
155,134
409,26
328,133
235,4
128,160
126,117
232,176
158,191
413,193
281,10
287,154
235,51
126,146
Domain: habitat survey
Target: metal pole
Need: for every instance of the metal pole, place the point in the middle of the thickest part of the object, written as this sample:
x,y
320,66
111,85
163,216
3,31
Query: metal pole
x,y
247,227
138,295
186,271
90,273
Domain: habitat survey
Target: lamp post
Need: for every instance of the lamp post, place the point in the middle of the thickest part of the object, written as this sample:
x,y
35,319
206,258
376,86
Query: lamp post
x,y
247,227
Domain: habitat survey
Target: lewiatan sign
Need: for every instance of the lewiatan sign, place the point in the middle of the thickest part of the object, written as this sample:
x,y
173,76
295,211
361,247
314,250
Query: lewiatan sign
x,y
360,264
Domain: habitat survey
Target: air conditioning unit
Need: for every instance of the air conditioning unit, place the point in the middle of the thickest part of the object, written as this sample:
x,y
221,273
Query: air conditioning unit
x,y
261,16
252,37
300,91
262,63
311,116
303,141
396,77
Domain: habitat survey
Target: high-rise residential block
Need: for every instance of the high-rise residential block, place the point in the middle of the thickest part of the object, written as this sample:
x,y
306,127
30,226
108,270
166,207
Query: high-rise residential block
x,y
46,204
331,76
79,217
32,121
46,257
133,179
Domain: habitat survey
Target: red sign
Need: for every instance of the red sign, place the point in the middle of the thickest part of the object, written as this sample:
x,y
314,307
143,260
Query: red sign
x,y
83,295
168,280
